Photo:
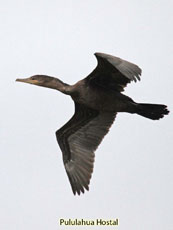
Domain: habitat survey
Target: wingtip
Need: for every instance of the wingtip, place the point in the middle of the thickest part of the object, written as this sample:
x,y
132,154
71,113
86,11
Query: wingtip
x,y
140,73
96,54
99,54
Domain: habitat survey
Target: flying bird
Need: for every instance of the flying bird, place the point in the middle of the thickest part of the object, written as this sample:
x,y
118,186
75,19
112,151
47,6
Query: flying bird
x,y
97,99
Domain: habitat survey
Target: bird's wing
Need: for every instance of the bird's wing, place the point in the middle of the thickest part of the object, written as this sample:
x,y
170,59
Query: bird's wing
x,y
113,73
78,139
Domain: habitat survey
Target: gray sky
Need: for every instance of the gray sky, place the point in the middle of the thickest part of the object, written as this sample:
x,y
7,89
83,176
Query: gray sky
x,y
132,177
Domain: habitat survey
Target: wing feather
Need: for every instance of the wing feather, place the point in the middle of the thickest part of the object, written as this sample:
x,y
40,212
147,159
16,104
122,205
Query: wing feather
x,y
113,73
78,139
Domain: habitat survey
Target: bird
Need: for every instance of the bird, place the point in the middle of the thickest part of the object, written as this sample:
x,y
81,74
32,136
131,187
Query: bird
x,y
97,100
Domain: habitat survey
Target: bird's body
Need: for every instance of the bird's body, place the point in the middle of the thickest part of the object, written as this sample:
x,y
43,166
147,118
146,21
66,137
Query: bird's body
x,y
98,98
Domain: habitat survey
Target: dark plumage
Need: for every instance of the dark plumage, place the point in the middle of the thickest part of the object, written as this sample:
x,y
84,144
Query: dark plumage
x,y
97,100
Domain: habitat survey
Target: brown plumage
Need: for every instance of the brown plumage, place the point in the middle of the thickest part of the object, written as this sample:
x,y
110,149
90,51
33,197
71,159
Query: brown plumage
x,y
97,100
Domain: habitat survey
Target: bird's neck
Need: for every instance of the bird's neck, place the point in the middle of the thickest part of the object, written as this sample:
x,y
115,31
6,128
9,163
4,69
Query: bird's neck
x,y
55,83
61,86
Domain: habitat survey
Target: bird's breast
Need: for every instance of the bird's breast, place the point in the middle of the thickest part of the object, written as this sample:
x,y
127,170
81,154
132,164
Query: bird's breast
x,y
98,99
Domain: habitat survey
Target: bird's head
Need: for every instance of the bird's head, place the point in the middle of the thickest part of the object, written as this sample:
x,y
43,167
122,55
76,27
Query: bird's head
x,y
40,80
46,81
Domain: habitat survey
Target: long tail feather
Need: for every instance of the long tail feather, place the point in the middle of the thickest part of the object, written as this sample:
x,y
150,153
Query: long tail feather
x,y
152,111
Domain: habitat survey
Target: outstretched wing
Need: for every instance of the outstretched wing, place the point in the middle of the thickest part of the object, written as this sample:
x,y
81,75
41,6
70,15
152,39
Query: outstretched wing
x,y
113,73
78,139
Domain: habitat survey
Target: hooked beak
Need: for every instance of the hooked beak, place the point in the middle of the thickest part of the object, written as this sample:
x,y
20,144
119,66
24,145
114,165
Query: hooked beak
x,y
27,80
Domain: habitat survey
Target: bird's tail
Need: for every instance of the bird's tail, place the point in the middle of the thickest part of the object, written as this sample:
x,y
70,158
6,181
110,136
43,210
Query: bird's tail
x,y
152,111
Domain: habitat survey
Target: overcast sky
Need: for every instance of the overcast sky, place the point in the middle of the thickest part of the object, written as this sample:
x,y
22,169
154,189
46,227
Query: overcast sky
x,y
132,177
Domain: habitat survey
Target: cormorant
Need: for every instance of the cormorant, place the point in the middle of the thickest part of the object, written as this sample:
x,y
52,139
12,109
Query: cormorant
x,y
97,98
